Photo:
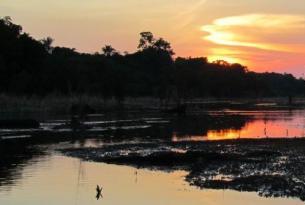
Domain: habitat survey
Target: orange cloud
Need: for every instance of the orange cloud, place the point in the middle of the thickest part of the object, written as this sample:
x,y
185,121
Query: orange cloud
x,y
262,31
259,40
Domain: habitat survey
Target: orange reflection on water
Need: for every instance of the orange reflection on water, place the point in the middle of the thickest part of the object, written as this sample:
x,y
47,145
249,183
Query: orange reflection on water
x,y
223,134
286,127
63,180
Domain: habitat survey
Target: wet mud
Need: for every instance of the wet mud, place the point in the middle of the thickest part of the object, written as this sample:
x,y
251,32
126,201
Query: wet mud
x,y
270,167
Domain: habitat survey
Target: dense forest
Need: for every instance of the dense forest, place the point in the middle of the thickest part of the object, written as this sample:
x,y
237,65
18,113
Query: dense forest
x,y
34,67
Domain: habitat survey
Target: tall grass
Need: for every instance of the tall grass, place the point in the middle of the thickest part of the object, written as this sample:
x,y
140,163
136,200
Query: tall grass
x,y
62,104
59,104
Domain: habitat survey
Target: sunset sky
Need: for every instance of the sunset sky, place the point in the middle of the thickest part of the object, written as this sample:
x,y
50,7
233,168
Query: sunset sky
x,y
265,35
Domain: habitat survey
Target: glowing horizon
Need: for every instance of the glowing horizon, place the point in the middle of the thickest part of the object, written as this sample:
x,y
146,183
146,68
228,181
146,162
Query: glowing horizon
x,y
263,33
264,36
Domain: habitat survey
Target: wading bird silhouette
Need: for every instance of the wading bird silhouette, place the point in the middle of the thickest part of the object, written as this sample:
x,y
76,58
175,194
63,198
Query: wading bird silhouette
x,y
99,192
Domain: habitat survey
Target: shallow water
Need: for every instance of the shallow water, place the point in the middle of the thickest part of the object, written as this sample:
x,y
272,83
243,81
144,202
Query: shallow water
x,y
51,178
219,125
57,179
263,124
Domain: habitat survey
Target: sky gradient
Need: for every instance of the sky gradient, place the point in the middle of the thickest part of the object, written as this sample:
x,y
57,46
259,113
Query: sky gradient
x,y
265,35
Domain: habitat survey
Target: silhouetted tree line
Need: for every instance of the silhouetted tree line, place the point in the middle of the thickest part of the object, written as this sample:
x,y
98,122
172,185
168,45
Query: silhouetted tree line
x,y
35,67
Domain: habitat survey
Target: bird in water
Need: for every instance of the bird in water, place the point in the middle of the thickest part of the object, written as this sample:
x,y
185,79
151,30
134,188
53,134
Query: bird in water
x,y
99,192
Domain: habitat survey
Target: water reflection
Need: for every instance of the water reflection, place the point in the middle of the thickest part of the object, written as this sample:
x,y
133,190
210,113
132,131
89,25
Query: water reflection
x,y
14,157
55,181
260,124
28,175
198,127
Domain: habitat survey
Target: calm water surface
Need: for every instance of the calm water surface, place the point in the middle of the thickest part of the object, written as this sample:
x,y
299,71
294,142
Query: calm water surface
x,y
261,124
50,178
61,180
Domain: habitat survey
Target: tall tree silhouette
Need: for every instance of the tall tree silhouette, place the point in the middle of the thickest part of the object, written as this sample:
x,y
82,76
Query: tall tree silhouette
x,y
47,43
147,40
108,50
32,67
